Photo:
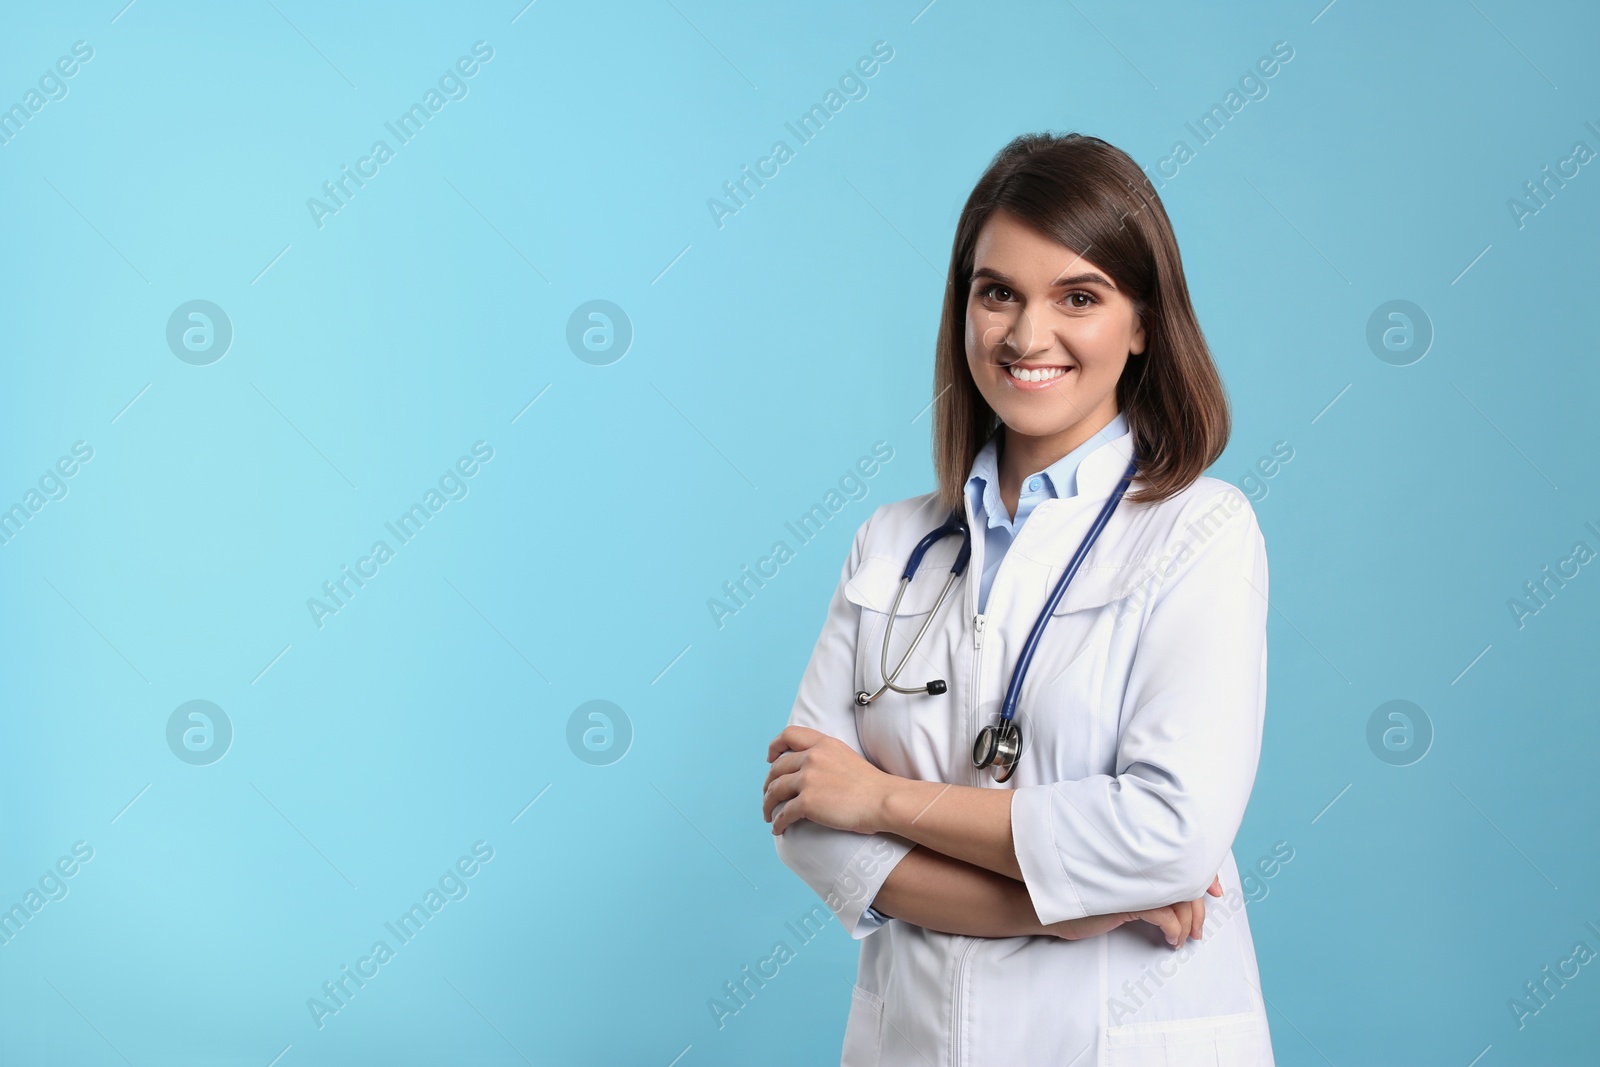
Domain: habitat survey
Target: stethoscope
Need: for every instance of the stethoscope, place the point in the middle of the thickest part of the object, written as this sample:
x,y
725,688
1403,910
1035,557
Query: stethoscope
x,y
1000,745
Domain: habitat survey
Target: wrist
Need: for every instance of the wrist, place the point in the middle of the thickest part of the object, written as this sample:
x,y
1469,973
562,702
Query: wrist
x,y
1026,919
884,811
900,801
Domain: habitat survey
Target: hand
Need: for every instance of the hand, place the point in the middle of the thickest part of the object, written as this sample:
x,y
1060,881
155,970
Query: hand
x,y
818,777
1176,920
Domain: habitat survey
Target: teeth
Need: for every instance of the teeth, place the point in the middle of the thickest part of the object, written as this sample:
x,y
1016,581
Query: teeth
x,y
1043,375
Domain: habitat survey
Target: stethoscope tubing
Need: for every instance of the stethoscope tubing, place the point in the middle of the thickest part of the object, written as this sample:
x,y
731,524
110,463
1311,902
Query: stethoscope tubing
x,y
1025,657
883,657
957,523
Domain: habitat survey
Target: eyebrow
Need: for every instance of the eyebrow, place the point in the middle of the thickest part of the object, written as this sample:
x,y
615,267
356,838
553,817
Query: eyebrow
x,y
1089,277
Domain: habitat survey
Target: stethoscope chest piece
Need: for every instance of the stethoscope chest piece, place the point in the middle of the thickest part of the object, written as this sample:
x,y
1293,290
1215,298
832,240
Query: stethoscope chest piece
x,y
999,746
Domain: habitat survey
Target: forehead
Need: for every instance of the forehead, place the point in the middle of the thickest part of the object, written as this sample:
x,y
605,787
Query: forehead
x,y
1012,251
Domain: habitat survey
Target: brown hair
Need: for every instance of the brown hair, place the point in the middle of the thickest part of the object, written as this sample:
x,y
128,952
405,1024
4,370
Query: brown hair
x,y
1091,197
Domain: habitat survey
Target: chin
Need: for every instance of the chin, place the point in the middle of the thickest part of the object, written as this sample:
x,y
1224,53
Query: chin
x,y
1042,415
1040,424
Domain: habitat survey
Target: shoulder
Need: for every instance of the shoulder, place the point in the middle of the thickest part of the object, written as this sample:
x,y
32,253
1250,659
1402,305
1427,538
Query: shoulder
x,y
1213,498
894,527
1206,533
1197,513
1208,527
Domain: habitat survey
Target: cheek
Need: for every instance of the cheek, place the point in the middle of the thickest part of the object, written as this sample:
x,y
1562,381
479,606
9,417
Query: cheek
x,y
1102,345
1103,333
1104,370
986,330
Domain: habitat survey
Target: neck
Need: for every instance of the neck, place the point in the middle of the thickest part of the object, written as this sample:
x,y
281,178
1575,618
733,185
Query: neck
x,y
1022,455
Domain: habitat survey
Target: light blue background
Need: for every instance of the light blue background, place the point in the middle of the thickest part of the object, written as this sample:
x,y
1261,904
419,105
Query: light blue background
x,y
768,355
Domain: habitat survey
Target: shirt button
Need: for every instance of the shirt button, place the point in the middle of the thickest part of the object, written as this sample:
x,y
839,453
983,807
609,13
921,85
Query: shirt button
x,y
1034,485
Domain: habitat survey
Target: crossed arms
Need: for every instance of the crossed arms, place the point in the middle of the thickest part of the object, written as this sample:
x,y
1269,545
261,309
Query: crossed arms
x,y
962,875
1039,858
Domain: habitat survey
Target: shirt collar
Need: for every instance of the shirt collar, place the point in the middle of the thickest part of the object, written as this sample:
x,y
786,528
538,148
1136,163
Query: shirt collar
x,y
1067,476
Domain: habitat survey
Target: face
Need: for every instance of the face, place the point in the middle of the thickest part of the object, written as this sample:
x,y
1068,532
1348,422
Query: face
x,y
1038,307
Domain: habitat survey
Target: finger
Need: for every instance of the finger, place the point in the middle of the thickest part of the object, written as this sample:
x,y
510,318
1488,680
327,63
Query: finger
x,y
1171,926
784,764
787,814
1166,919
1216,886
782,789
778,746
1198,918
1183,909
793,738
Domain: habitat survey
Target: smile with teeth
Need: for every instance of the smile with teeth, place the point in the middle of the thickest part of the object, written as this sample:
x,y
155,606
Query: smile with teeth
x,y
1039,374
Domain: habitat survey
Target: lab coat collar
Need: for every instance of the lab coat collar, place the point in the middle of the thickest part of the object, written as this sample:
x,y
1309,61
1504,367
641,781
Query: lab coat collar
x,y
1105,573
1108,572
1101,469
1097,472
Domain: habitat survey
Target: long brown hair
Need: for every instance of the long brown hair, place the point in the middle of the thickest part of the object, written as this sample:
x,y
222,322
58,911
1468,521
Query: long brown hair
x,y
1091,197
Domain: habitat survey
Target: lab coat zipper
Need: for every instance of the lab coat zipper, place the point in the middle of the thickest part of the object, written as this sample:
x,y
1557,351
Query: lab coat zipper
x,y
978,622
957,1000
958,993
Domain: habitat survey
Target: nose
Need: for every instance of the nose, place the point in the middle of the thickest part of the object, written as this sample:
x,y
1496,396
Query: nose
x,y
1025,338
1012,335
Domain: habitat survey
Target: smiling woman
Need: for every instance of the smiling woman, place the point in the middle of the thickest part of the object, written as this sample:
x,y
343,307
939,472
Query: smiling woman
x,y
1034,856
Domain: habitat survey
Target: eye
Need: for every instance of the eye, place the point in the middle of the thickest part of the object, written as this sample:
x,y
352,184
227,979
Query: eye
x,y
1089,299
988,291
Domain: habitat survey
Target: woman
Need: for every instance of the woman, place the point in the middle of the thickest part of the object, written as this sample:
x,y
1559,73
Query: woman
x,y
996,908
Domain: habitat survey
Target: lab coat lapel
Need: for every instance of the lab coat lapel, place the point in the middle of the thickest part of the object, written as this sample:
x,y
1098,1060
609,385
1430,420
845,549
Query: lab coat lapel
x,y
1059,526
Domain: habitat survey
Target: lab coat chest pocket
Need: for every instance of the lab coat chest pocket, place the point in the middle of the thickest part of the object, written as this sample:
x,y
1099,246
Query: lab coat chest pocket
x,y
902,733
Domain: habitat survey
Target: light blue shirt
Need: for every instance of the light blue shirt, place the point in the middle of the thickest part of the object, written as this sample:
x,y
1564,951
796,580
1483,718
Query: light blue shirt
x,y
1060,479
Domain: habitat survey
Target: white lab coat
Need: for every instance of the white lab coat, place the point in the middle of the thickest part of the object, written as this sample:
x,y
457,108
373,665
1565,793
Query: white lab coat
x,y
1142,714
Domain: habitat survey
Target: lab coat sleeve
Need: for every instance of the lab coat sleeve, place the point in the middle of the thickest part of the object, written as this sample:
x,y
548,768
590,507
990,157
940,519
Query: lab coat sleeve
x,y
844,868
1158,830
